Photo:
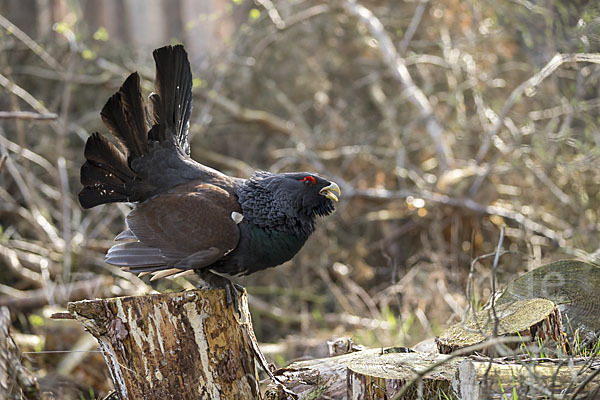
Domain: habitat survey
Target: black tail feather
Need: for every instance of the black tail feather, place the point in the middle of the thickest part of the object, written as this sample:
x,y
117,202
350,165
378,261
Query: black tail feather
x,y
125,115
105,173
102,193
102,154
172,102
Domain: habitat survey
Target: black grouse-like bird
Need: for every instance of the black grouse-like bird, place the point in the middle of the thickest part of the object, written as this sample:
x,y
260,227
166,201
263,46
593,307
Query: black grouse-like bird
x,y
187,216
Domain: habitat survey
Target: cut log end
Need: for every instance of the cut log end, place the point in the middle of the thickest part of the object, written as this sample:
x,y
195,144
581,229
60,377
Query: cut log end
x,y
526,320
383,375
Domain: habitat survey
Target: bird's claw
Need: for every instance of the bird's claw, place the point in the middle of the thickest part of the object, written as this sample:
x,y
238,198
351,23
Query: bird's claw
x,y
232,295
232,289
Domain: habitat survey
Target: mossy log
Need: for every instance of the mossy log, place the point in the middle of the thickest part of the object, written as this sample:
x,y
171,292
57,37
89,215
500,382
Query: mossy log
x,y
525,320
186,345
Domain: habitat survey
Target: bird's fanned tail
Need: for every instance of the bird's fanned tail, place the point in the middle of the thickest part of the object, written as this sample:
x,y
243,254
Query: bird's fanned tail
x,y
129,172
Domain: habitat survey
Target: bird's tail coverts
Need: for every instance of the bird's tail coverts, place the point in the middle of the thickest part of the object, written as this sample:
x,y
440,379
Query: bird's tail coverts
x,y
172,102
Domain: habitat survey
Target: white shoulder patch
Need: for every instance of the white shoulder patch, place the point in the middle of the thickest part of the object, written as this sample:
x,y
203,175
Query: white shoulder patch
x,y
237,217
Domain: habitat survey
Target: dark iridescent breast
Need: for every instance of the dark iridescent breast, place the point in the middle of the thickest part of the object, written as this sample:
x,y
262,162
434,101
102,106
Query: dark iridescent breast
x,y
260,248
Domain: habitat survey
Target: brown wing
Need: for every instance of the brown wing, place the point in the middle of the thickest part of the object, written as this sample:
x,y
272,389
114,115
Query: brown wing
x,y
186,228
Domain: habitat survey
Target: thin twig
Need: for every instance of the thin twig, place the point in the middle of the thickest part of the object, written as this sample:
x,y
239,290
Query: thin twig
x,y
528,88
23,94
27,115
272,13
301,16
412,27
493,303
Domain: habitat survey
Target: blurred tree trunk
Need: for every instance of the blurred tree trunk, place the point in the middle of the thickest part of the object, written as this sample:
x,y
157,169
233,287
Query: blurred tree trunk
x,y
16,381
22,13
172,19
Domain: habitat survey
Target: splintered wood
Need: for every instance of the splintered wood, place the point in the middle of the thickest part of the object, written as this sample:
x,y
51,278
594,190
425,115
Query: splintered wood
x,y
187,345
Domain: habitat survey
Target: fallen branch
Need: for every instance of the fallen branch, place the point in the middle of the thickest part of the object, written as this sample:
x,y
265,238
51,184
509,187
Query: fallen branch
x,y
58,293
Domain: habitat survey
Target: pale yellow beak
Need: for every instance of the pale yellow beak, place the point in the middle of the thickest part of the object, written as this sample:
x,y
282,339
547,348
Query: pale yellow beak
x,y
330,191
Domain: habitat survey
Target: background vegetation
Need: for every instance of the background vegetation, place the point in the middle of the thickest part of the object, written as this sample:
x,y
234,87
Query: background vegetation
x,y
442,120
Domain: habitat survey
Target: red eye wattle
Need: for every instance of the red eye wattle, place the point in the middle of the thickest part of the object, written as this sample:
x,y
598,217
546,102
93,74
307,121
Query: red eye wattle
x,y
309,179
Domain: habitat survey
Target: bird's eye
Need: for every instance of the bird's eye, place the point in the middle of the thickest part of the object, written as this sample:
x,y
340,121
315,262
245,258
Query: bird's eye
x,y
309,180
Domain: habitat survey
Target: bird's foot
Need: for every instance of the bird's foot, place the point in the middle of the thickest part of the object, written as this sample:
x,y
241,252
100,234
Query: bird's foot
x,y
233,291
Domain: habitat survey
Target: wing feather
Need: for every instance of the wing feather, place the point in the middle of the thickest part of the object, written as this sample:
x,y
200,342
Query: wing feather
x,y
178,230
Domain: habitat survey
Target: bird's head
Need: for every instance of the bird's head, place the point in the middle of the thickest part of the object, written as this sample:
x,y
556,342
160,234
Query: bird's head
x,y
292,199
307,192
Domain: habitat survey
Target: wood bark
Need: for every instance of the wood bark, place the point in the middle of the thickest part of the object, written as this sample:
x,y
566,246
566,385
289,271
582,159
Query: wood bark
x,y
186,345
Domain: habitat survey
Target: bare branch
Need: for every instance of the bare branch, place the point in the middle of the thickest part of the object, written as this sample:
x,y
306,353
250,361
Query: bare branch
x,y
23,94
272,121
396,64
27,115
469,204
412,27
528,88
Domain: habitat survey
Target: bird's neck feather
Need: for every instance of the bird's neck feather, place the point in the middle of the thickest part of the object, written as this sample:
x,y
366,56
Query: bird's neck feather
x,y
263,208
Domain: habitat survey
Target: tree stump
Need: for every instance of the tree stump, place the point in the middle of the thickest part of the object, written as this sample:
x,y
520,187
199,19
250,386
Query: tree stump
x,y
185,345
381,376
525,320
574,286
